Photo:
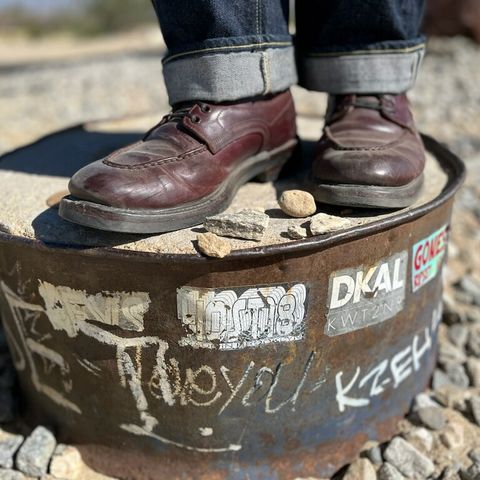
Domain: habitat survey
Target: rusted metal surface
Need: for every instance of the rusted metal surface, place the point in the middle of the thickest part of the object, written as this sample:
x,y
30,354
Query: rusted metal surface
x,y
270,364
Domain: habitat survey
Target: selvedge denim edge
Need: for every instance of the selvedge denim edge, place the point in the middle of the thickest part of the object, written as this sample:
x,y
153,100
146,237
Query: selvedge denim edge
x,y
230,76
365,71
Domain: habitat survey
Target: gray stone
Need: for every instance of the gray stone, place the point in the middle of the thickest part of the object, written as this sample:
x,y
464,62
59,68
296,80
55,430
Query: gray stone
x,y
247,224
440,379
457,374
420,438
474,340
407,459
432,417
450,473
388,472
453,436
471,287
34,455
322,224
360,469
423,400
375,455
473,314
296,232
474,455
9,444
458,335
475,408
449,353
8,474
471,473
473,369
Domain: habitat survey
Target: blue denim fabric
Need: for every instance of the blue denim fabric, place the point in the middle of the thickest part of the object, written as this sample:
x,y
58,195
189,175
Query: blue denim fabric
x,y
195,27
192,27
345,26
222,50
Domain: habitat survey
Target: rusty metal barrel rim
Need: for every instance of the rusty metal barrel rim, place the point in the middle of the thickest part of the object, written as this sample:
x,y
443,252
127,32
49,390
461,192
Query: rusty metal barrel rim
x,y
451,163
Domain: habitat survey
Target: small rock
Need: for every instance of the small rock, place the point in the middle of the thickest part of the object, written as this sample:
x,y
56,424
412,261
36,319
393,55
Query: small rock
x,y
453,436
474,340
212,245
296,232
440,379
66,462
471,287
388,472
471,473
407,459
475,408
423,400
453,397
449,353
360,469
420,438
450,473
7,474
9,444
297,203
247,224
474,455
458,335
322,223
457,374
432,417
473,369
375,455
34,455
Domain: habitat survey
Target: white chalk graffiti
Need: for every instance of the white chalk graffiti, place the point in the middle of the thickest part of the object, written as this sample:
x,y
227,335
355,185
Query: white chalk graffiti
x,y
228,321
164,380
394,370
66,306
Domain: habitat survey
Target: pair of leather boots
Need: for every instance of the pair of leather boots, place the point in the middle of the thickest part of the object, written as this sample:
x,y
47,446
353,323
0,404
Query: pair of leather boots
x,y
191,164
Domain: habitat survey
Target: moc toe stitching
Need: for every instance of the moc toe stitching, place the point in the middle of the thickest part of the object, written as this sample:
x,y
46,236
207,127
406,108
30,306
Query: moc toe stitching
x,y
156,163
338,146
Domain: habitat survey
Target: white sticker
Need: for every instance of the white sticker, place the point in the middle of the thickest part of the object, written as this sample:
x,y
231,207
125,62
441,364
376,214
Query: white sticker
x,y
360,297
65,307
242,316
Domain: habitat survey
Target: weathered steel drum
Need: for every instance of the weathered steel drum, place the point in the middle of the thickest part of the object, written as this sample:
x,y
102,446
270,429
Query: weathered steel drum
x,y
275,362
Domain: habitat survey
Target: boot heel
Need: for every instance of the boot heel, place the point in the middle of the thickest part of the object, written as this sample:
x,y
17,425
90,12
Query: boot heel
x,y
272,173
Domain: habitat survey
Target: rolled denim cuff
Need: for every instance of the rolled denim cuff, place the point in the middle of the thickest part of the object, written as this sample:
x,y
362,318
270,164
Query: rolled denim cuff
x,y
220,77
369,71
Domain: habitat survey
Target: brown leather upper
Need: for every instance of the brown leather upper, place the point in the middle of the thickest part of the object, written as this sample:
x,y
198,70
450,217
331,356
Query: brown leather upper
x,y
369,140
188,154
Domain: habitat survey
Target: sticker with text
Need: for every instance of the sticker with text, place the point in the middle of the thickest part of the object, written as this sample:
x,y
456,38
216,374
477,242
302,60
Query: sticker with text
x,y
364,296
239,317
427,257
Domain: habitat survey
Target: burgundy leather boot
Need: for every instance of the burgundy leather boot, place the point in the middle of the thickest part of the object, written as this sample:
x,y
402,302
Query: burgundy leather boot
x,y
186,168
370,154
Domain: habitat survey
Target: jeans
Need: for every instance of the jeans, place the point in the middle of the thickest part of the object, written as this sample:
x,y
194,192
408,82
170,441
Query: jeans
x,y
225,50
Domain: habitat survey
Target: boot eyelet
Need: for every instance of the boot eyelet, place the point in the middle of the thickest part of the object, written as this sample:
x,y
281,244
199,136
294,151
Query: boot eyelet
x,y
205,108
195,119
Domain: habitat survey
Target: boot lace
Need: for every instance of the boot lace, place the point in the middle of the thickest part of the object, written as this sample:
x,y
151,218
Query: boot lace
x,y
178,114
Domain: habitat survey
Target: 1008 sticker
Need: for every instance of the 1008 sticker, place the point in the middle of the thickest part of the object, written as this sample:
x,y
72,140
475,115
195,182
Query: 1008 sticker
x,y
239,317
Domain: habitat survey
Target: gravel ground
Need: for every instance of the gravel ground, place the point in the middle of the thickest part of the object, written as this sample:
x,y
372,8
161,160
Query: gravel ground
x,y
440,438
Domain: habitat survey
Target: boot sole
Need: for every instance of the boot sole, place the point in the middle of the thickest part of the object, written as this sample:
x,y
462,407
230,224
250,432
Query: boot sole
x,y
265,166
367,196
